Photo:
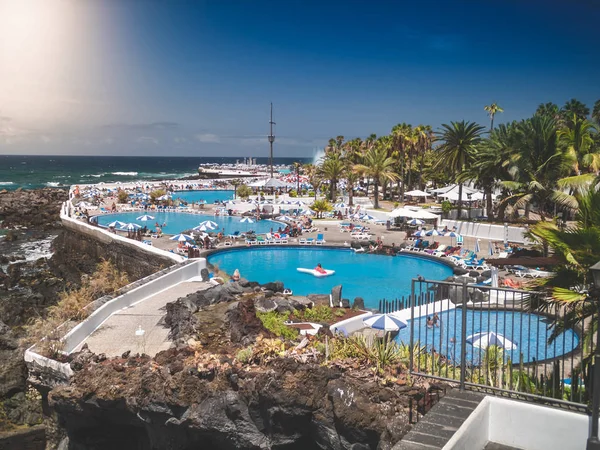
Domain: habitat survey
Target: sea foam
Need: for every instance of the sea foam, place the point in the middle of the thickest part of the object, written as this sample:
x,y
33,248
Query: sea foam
x,y
6,183
125,174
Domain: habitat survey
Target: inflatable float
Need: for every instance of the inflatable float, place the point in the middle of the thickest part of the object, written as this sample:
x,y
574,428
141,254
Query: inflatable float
x,y
314,273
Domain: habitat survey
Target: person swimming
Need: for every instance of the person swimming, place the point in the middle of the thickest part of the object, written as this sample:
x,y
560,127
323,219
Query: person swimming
x,y
320,269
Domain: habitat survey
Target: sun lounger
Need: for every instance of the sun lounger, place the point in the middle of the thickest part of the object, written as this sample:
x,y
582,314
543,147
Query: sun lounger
x,y
302,241
310,241
147,242
320,240
261,240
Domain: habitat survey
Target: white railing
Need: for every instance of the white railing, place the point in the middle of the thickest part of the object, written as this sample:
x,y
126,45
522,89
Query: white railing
x,y
84,329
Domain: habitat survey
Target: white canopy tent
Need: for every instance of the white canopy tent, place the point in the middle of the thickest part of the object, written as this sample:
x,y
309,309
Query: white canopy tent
x,y
417,193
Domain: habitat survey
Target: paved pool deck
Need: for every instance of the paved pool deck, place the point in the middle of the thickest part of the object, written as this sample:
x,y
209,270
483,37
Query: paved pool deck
x,y
118,333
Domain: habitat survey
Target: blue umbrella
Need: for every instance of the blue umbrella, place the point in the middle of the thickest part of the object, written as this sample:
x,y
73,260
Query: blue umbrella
x,y
182,237
367,217
451,234
415,222
116,223
144,218
209,224
419,233
433,232
484,339
385,322
131,226
246,220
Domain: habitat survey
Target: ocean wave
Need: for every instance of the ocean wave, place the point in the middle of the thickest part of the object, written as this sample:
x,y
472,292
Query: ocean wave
x,y
6,183
125,174
52,184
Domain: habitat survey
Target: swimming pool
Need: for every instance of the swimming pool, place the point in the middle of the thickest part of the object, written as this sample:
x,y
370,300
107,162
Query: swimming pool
x,y
209,196
530,333
177,222
372,277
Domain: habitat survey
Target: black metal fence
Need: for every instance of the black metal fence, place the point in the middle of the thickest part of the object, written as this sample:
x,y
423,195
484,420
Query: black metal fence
x,y
499,340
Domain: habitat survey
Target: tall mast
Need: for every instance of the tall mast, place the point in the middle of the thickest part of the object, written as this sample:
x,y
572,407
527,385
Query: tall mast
x,y
271,140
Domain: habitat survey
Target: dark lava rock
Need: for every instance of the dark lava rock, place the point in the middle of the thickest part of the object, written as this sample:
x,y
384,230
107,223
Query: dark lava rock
x,y
319,299
13,373
336,295
242,323
359,303
265,305
276,286
460,271
486,274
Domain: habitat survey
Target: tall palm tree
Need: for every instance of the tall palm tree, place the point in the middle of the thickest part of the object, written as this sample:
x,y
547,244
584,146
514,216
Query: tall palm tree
x,y
492,110
399,137
578,138
536,164
459,140
314,177
235,183
426,137
332,168
379,166
576,107
596,112
297,167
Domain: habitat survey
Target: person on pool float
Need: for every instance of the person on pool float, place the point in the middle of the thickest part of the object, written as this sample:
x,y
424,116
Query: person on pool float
x,y
320,269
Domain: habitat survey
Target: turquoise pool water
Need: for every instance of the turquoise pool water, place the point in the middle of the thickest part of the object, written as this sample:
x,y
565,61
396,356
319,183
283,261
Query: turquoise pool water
x,y
209,196
530,332
177,222
372,277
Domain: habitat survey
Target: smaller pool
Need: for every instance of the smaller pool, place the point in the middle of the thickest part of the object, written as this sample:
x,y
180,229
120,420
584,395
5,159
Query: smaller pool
x,y
529,331
209,196
176,222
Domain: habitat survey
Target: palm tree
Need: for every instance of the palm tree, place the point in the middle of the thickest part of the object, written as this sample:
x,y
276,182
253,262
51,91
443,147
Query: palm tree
x,y
332,168
536,163
578,138
235,183
576,107
378,166
459,140
399,137
596,112
314,177
549,110
297,166
492,110
426,136
577,247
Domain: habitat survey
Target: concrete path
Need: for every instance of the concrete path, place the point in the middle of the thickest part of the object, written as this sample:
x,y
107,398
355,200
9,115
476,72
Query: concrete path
x,y
118,333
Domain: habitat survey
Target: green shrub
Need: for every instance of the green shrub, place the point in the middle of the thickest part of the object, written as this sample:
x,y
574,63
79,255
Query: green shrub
x,y
275,323
446,206
123,197
157,193
293,193
339,313
244,191
245,354
317,314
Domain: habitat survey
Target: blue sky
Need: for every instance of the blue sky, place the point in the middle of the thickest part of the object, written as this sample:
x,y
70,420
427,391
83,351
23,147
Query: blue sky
x,y
196,77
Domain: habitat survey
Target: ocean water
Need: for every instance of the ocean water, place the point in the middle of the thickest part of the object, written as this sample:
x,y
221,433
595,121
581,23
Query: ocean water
x,y
31,172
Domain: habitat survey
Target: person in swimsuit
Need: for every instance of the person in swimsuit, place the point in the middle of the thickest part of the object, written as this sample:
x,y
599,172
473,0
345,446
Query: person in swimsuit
x,y
320,269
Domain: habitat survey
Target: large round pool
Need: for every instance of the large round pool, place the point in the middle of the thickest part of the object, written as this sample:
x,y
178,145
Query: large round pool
x,y
208,196
372,277
528,331
176,222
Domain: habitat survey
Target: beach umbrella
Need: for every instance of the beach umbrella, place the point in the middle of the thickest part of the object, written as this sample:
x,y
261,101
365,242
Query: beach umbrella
x,y
419,233
285,218
182,237
417,193
433,232
484,339
367,217
209,224
340,205
477,247
416,222
117,224
164,197
201,228
307,212
145,218
246,220
131,226
451,234
385,322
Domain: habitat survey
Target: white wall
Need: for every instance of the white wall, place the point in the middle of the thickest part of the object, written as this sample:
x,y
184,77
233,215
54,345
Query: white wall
x,y
352,324
485,230
84,329
522,425
104,235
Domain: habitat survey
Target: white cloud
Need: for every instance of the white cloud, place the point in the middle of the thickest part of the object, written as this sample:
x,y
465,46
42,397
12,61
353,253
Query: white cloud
x,y
208,137
179,140
147,140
